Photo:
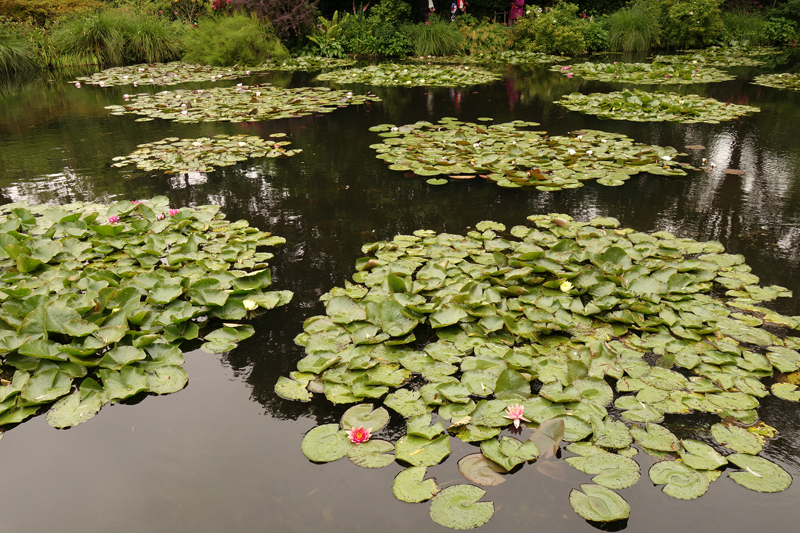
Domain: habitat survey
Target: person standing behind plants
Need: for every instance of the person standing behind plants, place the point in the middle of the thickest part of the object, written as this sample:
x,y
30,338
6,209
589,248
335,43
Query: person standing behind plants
x,y
459,7
427,8
517,10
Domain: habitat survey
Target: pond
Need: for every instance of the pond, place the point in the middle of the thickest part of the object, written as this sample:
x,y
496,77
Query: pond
x,y
224,453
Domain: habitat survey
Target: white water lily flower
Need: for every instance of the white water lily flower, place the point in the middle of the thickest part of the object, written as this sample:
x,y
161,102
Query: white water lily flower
x,y
250,305
579,137
589,152
408,83
197,143
602,140
666,158
571,151
565,287
242,144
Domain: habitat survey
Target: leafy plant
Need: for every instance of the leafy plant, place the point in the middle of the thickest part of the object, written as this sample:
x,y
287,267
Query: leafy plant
x,y
595,35
548,325
234,40
390,12
327,37
484,37
45,12
559,31
634,28
289,18
203,154
236,104
436,37
690,23
513,157
742,28
781,30
641,106
135,280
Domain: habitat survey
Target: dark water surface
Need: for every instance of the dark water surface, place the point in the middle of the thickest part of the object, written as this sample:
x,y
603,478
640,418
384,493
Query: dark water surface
x,y
224,455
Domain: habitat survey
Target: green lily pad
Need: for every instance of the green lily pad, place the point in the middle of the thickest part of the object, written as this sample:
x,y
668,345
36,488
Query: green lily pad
x,y
325,443
759,474
646,73
787,391
410,485
611,471
682,482
701,456
548,437
78,407
411,75
420,451
599,504
363,415
737,439
508,452
457,507
374,453
656,437
784,80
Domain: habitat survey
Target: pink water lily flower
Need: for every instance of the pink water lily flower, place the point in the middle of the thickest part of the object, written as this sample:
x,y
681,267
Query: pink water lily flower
x,y
173,212
569,75
113,219
514,413
160,216
358,435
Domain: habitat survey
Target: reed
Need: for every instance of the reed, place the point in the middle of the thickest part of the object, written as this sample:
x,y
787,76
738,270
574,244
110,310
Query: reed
x,y
634,28
436,38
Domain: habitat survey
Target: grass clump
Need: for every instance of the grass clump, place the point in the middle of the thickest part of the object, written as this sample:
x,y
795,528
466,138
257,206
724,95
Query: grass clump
x,y
234,40
436,38
634,28
16,53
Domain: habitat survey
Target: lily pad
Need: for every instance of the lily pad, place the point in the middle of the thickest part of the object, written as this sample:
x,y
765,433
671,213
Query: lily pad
x,y
420,451
737,439
325,443
508,452
364,415
682,482
789,81
408,485
646,73
411,75
599,504
374,453
457,507
759,474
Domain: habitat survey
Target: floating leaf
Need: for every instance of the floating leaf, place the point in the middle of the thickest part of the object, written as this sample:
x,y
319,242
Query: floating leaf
x,y
363,415
411,75
682,482
408,485
374,453
325,443
420,451
457,507
759,474
599,504
508,452
737,439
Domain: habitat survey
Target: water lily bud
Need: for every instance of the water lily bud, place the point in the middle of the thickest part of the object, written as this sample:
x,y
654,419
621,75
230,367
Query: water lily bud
x,y
566,286
250,305
113,219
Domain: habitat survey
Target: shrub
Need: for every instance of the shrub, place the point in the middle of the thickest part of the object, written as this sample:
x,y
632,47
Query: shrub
x,y
634,28
356,36
327,37
234,40
595,35
780,30
391,12
690,23
436,38
43,12
289,18
742,28
484,37
16,53
559,31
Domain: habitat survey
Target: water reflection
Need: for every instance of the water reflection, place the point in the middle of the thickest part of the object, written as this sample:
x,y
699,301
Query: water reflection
x,y
56,145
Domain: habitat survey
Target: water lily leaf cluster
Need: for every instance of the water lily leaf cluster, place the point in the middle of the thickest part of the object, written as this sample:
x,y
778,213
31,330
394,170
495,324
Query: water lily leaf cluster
x,y
721,56
591,332
779,81
514,157
96,300
306,63
655,73
203,154
236,104
412,75
163,74
506,57
642,106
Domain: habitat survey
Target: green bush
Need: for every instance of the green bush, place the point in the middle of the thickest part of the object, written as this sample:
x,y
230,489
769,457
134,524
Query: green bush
x,y
16,53
690,23
392,12
44,12
559,31
234,40
742,28
595,35
780,30
373,35
483,37
436,37
634,28
327,37
356,36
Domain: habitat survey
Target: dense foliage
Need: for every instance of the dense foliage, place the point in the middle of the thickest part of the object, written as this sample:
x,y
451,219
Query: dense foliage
x,y
235,40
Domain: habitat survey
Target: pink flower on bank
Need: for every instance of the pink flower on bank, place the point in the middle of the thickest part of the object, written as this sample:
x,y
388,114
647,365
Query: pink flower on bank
x,y
514,413
173,212
358,435
160,216
113,219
